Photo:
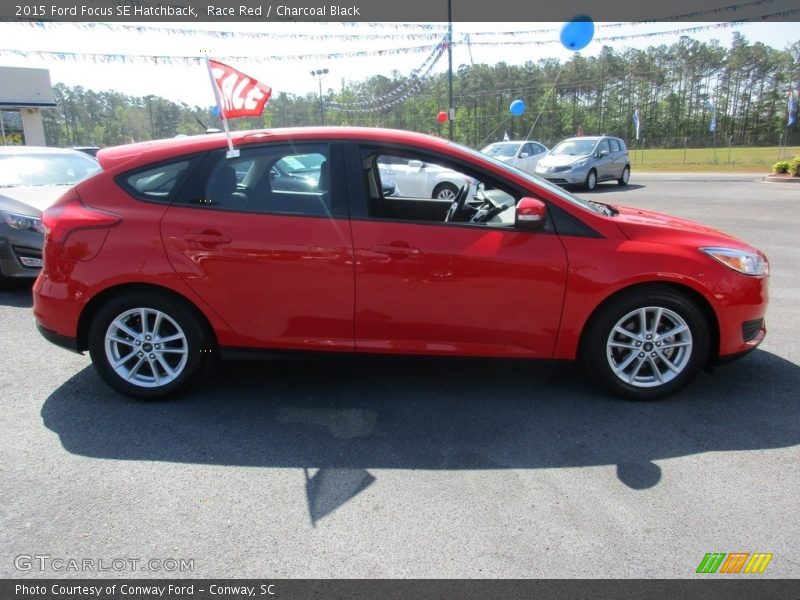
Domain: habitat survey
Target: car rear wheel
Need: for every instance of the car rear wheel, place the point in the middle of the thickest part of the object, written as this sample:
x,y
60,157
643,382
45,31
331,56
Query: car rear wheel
x,y
647,344
445,191
148,345
626,175
591,180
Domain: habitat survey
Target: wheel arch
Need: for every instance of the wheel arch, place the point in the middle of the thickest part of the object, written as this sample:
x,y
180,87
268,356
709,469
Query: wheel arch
x,y
91,308
692,294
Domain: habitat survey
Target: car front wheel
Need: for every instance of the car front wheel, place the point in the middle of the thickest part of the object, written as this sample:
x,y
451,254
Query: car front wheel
x,y
646,345
591,180
148,345
445,191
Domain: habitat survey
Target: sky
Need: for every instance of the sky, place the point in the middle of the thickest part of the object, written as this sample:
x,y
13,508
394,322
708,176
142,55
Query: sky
x,y
285,72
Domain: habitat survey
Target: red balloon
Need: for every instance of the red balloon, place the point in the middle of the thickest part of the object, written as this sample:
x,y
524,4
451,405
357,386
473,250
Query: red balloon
x,y
442,117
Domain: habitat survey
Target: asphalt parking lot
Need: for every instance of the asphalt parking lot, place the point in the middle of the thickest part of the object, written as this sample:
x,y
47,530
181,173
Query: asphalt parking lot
x,y
415,468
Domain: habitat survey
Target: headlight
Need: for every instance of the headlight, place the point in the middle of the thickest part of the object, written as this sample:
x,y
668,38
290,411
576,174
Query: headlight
x,y
18,221
747,263
580,163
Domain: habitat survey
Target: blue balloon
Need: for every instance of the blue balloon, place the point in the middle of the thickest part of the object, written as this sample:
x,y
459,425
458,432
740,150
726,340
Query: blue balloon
x,y
214,111
576,34
517,107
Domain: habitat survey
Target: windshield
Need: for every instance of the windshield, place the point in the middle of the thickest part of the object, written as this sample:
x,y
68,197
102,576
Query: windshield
x,y
574,147
45,169
501,150
550,187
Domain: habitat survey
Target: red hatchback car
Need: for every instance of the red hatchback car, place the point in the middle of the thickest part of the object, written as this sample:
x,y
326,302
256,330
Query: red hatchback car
x,y
177,253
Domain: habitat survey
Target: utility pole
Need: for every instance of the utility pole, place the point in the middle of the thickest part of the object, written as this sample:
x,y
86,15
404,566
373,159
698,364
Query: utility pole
x,y
320,74
451,113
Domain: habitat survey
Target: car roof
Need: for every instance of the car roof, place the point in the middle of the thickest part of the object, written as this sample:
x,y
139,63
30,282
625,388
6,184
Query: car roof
x,y
147,152
34,150
517,142
592,138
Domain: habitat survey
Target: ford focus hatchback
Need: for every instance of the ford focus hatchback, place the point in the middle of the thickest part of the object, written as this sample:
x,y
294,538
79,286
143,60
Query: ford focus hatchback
x,y
175,255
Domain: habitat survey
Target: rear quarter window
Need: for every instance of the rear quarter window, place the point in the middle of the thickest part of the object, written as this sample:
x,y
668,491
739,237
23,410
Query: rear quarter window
x,y
158,183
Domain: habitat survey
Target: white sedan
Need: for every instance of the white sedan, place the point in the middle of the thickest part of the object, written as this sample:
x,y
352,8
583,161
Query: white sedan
x,y
417,179
523,155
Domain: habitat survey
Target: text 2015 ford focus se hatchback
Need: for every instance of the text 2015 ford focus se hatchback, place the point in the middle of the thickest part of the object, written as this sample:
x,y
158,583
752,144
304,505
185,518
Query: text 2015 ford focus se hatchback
x,y
176,253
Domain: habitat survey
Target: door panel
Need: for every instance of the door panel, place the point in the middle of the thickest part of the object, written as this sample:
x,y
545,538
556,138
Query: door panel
x,y
278,281
457,290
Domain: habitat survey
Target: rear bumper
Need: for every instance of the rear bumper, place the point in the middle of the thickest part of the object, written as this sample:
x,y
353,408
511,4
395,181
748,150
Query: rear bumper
x,y
70,343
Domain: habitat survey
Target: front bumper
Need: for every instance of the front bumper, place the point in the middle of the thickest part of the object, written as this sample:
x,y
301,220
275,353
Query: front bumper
x,y
20,252
572,177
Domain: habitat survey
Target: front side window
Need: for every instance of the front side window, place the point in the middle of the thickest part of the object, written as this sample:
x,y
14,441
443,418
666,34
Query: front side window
x,y
408,186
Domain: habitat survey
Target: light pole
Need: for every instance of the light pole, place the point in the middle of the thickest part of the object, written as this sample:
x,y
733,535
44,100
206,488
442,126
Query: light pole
x,y
149,99
320,75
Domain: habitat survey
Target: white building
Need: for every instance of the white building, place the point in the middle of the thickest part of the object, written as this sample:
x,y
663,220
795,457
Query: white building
x,y
23,94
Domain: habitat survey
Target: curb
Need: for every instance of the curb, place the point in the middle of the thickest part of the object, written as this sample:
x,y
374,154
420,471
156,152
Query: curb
x,y
781,179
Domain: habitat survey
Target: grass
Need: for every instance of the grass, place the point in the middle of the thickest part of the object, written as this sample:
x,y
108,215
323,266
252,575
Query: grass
x,y
707,159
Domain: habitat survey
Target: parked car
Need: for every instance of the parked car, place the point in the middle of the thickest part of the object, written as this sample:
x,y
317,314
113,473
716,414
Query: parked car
x,y
31,179
90,150
156,268
421,179
524,155
586,161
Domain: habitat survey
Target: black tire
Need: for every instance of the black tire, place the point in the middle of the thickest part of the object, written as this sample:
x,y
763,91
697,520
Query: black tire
x,y
195,342
599,349
626,175
445,186
591,180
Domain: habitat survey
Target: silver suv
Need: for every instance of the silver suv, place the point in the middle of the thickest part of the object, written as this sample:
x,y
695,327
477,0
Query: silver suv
x,y
586,161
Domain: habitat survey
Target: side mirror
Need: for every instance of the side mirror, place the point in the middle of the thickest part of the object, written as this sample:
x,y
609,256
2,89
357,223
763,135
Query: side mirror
x,y
524,155
602,153
530,214
416,164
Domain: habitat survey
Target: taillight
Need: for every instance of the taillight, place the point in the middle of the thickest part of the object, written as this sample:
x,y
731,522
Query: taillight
x,y
69,214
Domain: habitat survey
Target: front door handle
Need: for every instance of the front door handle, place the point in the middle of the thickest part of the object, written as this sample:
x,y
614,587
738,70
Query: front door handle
x,y
395,250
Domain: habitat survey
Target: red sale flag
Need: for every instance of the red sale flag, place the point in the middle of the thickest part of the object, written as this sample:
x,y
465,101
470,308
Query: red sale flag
x,y
240,95
237,95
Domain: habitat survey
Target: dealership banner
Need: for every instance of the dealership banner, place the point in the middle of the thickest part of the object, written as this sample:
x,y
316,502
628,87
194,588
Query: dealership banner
x,y
387,589
407,11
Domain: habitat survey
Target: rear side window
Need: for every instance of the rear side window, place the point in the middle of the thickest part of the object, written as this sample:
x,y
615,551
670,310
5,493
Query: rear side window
x,y
622,145
159,183
281,178
614,145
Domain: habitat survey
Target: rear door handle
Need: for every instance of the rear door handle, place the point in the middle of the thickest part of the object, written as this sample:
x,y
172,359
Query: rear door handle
x,y
207,238
393,250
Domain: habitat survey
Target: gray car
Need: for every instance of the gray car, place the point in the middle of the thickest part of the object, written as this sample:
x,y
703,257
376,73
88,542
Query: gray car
x,y
586,161
32,179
